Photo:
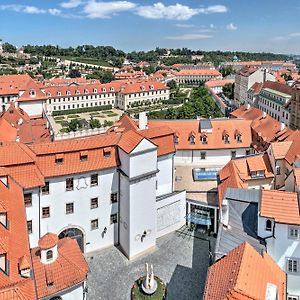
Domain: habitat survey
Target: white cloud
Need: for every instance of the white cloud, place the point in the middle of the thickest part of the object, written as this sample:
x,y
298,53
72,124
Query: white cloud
x,y
294,34
189,37
94,9
213,9
71,4
23,8
177,11
180,25
231,27
287,37
54,11
172,12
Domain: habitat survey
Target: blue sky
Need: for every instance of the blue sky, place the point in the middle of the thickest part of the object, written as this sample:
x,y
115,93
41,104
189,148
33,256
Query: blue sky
x,y
246,25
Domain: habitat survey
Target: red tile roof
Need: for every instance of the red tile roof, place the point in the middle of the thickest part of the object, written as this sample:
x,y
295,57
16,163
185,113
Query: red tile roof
x,y
15,240
183,129
281,206
235,276
201,72
129,141
48,241
218,83
69,269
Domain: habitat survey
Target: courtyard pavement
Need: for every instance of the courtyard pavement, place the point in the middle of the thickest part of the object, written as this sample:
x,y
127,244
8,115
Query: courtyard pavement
x,y
180,260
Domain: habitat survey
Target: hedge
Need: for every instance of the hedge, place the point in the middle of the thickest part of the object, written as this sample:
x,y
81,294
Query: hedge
x,y
81,110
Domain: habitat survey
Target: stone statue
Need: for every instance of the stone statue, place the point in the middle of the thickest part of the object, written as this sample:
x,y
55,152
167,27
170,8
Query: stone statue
x,y
149,285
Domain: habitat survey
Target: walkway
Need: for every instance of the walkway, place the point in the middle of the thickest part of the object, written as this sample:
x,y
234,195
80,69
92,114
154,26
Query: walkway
x,y
180,260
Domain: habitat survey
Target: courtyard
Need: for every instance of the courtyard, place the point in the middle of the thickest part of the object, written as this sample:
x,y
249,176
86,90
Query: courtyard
x,y
181,260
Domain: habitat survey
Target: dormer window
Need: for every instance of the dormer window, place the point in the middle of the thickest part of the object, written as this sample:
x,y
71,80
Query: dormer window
x,y
3,219
68,93
176,139
83,156
86,91
112,89
95,91
226,138
4,263
151,87
104,89
59,159
192,140
49,255
257,174
58,93
32,93
203,139
142,88
107,152
239,138
77,92
49,94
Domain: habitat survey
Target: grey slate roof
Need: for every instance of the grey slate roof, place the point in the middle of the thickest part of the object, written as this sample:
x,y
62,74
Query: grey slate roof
x,y
242,224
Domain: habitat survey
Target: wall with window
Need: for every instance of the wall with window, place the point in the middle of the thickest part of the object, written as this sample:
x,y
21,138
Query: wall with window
x,y
213,158
75,292
283,247
84,209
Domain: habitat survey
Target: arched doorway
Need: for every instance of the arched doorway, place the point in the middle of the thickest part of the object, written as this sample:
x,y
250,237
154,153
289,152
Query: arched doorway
x,y
74,233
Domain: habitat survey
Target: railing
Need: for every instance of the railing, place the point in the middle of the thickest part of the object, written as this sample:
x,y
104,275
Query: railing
x,y
80,133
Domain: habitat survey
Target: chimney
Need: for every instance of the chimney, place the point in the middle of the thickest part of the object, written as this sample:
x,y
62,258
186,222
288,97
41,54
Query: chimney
x,y
264,115
282,126
265,75
248,106
142,120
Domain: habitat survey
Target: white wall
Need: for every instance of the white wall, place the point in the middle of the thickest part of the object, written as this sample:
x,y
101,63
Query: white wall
x,y
74,293
32,108
280,248
83,214
165,175
214,158
171,212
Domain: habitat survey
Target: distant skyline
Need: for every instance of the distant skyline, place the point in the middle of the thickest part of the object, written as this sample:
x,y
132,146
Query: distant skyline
x,y
236,25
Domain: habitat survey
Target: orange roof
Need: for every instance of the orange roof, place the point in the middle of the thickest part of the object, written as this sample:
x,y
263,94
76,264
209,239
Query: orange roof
x,y
294,149
201,72
280,149
129,140
237,172
28,130
146,86
183,128
16,241
281,206
69,269
8,133
49,240
297,176
235,276
218,83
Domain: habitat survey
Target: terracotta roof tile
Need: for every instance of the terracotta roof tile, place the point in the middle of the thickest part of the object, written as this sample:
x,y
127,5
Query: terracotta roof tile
x,y
234,277
48,241
281,206
69,269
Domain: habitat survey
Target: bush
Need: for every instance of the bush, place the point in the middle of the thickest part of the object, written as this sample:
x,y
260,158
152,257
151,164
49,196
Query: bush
x,y
81,110
112,115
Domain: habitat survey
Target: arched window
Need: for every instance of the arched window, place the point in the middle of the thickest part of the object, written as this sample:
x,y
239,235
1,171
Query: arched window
x,y
49,254
268,225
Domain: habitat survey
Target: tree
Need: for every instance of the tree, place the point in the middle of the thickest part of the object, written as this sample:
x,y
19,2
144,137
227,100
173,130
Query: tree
x,y
7,47
172,84
95,123
228,90
74,73
74,125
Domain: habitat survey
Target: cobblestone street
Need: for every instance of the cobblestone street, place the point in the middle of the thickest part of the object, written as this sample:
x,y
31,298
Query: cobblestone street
x,y
180,260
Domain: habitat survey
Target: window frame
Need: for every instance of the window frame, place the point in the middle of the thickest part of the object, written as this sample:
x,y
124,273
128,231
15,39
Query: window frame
x,y
26,199
93,206
96,183
46,188
69,184
67,208
48,215
113,218
114,198
293,260
94,221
